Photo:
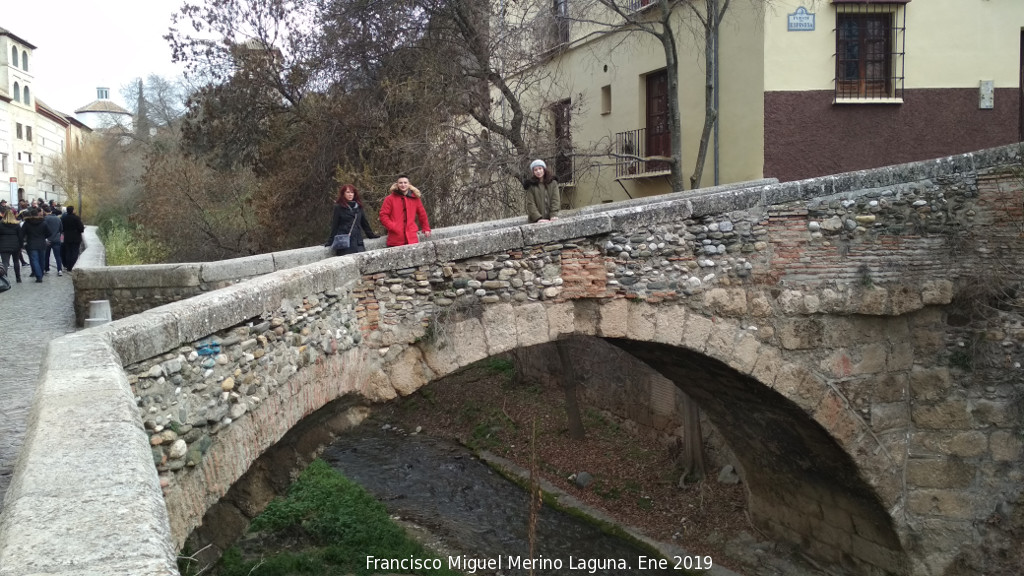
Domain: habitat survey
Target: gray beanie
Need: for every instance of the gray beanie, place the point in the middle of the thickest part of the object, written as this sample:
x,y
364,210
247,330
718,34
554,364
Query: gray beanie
x,y
536,163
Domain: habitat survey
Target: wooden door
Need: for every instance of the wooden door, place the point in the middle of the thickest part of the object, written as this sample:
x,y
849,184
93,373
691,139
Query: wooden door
x,y
658,141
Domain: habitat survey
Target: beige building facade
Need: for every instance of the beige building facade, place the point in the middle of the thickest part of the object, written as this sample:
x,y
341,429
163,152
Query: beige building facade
x,y
805,88
32,135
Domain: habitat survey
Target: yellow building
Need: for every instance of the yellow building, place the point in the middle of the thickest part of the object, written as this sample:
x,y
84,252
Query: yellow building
x,y
805,88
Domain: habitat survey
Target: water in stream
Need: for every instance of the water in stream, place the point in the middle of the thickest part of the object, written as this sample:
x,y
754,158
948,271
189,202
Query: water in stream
x,y
472,509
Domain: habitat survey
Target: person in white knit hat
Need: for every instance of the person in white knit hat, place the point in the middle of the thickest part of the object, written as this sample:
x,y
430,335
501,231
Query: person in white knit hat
x,y
542,195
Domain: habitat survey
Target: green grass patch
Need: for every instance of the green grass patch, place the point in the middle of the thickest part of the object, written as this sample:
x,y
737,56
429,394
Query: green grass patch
x,y
501,366
128,246
343,524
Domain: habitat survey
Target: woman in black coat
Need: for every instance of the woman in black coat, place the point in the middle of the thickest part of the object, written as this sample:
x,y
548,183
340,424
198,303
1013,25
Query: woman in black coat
x,y
349,218
11,241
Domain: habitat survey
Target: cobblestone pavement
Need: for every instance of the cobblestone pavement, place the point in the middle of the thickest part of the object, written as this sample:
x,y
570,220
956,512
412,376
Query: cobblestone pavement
x,y
31,315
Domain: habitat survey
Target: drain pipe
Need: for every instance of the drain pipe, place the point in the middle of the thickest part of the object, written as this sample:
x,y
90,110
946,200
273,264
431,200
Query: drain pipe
x,y
718,114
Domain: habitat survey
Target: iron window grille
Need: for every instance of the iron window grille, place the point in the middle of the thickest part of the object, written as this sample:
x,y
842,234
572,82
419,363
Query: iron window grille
x,y
870,50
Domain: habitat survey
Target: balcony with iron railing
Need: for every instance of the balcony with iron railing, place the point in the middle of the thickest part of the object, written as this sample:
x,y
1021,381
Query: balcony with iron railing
x,y
631,159
638,5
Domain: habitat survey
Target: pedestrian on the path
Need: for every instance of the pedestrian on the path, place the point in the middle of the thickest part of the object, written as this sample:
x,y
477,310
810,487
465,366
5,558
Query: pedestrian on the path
x,y
542,195
55,231
73,230
11,241
35,233
401,208
349,218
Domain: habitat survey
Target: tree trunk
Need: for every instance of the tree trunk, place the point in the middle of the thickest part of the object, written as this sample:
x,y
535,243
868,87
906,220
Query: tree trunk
x,y
568,381
712,18
668,42
693,443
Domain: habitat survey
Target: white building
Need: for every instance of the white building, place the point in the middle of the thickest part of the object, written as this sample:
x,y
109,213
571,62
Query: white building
x,y
32,135
103,113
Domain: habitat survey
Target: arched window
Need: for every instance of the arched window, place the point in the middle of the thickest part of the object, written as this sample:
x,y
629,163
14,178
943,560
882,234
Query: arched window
x,y
17,92
28,99
24,60
14,56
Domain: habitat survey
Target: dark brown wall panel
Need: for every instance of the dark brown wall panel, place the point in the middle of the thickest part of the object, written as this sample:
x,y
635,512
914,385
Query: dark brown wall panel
x,y
805,135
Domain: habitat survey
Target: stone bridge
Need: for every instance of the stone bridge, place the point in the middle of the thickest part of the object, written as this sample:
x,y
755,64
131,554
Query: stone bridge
x,y
826,327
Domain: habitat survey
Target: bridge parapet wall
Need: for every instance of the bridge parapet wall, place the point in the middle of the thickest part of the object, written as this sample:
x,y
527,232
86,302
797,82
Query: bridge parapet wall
x,y
135,289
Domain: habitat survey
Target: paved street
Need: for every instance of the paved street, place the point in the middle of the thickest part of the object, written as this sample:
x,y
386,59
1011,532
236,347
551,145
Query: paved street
x,y
31,315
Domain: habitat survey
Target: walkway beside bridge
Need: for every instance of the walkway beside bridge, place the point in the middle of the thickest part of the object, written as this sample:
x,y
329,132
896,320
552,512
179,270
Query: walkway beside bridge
x,y
31,315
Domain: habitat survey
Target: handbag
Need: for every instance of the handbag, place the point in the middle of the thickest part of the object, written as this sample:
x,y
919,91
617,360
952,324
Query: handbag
x,y
343,241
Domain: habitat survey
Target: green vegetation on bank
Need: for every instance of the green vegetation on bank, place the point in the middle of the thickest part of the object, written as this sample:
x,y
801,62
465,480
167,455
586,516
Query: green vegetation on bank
x,y
129,245
342,523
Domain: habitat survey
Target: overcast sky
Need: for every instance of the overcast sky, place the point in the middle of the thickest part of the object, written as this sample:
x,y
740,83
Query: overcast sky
x,y
83,44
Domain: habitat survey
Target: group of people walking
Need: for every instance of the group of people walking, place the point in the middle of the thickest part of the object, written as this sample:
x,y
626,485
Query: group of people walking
x,y
44,231
403,216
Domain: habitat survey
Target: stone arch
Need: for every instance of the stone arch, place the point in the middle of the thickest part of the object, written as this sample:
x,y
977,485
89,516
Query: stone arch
x,y
810,479
798,443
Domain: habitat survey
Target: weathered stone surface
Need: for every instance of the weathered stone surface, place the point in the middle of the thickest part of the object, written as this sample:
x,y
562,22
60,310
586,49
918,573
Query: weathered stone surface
x,y
560,319
889,416
800,333
1006,446
499,324
966,444
930,383
939,473
214,272
696,332
745,352
954,504
801,386
937,292
407,373
768,365
640,321
614,319
732,302
485,242
949,415
531,324
472,341
999,413
669,324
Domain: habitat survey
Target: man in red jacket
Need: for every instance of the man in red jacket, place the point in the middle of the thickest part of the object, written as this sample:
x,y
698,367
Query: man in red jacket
x,y
399,211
